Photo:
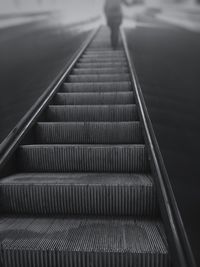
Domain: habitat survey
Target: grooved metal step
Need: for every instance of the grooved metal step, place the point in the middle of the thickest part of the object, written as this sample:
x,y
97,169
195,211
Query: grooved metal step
x,y
102,65
104,56
99,78
89,133
78,242
78,194
83,158
92,113
90,60
108,53
97,87
88,71
102,46
113,98
103,50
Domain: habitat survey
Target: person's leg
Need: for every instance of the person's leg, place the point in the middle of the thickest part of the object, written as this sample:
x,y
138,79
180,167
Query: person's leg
x,y
112,36
110,25
115,36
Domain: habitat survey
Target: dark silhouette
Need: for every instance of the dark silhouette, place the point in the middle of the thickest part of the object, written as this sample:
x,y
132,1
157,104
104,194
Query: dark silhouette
x,y
113,12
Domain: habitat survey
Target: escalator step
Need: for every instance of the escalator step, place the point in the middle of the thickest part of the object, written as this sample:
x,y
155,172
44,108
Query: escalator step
x,y
114,98
99,53
79,194
104,56
97,87
92,113
99,78
78,242
103,49
88,71
84,60
89,133
103,65
83,158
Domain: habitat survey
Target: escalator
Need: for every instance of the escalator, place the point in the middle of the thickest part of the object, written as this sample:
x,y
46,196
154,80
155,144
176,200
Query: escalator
x,y
82,192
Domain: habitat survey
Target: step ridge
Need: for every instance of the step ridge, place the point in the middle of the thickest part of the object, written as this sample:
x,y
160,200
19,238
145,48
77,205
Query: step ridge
x,y
89,133
120,242
106,70
102,59
95,98
97,87
98,78
79,194
102,65
103,56
83,158
92,113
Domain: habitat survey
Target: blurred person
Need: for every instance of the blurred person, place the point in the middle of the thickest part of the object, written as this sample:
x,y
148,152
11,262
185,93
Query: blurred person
x,y
113,12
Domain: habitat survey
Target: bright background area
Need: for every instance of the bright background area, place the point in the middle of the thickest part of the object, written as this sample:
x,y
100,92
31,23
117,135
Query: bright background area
x,y
78,7
14,12
17,12
75,7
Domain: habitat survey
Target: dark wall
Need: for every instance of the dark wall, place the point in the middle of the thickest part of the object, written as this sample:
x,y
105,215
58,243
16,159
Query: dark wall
x,y
31,57
167,62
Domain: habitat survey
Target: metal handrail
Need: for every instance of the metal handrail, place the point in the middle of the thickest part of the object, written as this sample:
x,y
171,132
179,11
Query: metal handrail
x,y
183,252
10,143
